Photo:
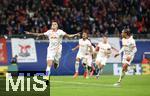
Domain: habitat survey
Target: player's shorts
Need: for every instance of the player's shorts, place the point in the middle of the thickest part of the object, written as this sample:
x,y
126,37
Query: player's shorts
x,y
88,60
54,54
80,55
101,59
124,60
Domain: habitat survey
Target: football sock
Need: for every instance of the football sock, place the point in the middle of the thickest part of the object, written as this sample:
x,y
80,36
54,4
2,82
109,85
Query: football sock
x,y
99,71
76,66
48,71
121,76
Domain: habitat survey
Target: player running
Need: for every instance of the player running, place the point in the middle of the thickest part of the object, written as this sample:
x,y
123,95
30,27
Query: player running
x,y
89,67
104,51
54,49
129,49
85,49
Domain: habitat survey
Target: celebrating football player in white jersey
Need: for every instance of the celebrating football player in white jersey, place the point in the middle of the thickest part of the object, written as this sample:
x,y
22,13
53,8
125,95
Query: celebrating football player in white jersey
x,y
129,49
104,51
54,49
85,48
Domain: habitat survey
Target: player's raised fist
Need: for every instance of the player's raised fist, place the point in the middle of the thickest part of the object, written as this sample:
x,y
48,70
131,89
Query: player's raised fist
x,y
78,34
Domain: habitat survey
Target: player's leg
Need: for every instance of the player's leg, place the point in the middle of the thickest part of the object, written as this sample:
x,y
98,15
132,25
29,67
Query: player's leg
x,y
85,66
56,60
57,57
97,67
89,65
126,62
100,69
85,75
93,66
50,59
76,67
92,70
101,62
124,70
48,69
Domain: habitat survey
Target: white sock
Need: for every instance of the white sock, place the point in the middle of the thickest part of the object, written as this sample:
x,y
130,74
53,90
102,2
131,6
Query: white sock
x,y
121,76
48,71
76,66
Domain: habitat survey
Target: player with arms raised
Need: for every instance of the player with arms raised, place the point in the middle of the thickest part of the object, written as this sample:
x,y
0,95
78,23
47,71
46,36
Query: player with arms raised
x,y
129,49
54,49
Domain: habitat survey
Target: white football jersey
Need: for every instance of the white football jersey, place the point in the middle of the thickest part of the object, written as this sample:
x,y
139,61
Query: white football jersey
x,y
129,46
55,38
83,46
89,50
103,47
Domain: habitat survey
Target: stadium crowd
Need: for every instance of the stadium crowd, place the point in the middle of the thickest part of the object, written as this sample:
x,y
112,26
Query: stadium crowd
x,y
99,16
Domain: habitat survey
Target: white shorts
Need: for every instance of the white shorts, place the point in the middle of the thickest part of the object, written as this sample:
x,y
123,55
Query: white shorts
x,y
124,60
54,54
80,55
87,59
101,59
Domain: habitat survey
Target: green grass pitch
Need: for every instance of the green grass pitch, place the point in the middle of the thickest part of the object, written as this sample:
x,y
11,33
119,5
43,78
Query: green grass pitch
x,y
67,86
131,86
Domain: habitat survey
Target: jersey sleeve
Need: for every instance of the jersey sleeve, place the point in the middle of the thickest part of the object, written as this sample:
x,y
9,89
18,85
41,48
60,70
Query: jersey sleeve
x,y
47,33
99,44
62,33
133,42
89,43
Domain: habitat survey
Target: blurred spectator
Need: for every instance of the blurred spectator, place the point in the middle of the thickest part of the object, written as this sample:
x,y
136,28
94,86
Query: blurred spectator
x,y
99,16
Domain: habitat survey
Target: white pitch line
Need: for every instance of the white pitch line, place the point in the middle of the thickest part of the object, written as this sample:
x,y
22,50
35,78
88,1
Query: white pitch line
x,y
81,83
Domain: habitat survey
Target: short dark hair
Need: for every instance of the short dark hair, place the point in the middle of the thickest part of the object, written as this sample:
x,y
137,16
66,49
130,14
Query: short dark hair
x,y
85,31
127,31
53,20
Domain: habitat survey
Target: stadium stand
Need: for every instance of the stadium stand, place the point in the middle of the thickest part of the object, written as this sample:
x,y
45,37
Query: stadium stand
x,y
99,16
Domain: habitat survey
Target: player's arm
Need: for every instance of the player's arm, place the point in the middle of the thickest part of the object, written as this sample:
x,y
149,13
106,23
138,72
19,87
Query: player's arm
x,y
96,50
75,48
35,34
91,49
72,35
113,48
134,49
120,51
